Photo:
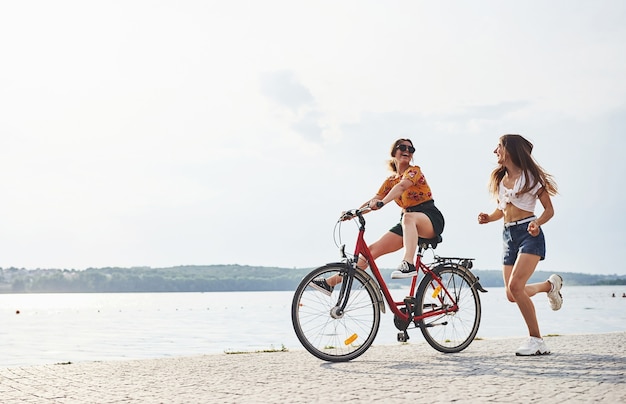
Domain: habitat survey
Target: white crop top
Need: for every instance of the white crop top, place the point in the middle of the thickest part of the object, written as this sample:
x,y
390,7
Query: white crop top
x,y
526,201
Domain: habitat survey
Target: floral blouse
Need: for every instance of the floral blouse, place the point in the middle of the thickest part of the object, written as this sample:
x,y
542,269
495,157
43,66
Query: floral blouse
x,y
417,193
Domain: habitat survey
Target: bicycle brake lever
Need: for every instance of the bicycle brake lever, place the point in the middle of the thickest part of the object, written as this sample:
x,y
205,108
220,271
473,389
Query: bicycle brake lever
x,y
346,216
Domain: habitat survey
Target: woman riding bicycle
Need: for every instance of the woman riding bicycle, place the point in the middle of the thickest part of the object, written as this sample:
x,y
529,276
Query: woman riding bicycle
x,y
420,217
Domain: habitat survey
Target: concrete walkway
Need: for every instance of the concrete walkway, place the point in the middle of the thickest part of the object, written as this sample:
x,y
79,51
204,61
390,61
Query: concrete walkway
x,y
582,368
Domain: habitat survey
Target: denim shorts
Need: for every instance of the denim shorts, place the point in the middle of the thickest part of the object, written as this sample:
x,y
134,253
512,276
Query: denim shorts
x,y
517,240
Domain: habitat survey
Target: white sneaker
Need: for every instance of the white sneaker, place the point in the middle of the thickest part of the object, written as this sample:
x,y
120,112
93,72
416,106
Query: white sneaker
x,y
405,270
533,346
554,295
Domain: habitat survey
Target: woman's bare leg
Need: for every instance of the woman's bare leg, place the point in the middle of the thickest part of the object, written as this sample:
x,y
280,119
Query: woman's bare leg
x,y
415,224
515,278
534,288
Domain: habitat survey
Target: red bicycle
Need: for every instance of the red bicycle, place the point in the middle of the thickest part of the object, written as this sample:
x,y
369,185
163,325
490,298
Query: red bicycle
x,y
445,305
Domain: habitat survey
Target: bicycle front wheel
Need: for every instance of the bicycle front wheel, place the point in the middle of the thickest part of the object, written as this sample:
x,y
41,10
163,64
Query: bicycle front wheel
x,y
322,330
451,309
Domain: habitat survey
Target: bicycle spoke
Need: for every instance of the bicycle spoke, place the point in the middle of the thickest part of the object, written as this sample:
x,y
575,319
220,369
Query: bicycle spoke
x,y
330,335
452,314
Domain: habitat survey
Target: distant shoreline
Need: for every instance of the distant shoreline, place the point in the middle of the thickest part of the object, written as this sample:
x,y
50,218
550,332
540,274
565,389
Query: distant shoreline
x,y
620,291
216,278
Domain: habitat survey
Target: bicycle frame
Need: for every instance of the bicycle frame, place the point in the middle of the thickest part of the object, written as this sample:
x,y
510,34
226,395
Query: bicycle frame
x,y
443,303
362,249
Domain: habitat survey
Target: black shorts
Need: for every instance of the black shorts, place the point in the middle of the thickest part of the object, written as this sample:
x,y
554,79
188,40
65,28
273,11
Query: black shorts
x,y
429,209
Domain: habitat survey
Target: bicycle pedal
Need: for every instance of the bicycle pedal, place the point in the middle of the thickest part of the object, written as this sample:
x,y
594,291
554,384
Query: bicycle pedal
x,y
403,336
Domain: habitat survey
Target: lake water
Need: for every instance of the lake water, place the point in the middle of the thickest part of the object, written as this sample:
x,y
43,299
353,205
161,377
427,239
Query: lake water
x,y
57,328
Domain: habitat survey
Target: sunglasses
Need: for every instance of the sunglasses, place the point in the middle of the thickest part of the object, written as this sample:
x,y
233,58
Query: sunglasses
x,y
404,147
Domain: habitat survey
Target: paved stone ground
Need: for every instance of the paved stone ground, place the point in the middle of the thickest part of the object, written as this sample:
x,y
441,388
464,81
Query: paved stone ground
x,y
582,368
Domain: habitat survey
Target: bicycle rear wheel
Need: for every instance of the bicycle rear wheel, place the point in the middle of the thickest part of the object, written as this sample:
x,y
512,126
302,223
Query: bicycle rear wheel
x,y
452,330
332,336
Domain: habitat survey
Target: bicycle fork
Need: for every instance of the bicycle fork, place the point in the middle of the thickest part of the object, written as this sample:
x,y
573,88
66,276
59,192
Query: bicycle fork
x,y
344,293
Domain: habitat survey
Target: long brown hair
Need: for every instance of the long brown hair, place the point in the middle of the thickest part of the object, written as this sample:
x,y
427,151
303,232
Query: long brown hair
x,y
392,162
519,151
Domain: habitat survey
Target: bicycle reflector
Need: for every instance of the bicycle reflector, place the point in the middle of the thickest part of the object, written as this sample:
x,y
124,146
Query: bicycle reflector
x,y
350,340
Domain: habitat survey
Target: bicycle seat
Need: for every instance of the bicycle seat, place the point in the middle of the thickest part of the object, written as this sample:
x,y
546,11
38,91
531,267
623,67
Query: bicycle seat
x,y
429,242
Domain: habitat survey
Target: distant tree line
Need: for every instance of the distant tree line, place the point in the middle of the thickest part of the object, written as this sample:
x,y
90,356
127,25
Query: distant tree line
x,y
212,278
145,279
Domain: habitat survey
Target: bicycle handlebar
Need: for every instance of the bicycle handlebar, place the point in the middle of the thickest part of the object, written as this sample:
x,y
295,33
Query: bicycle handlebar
x,y
350,214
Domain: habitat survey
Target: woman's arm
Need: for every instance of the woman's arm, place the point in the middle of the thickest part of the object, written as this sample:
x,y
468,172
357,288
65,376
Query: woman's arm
x,y
548,212
486,218
394,193
372,202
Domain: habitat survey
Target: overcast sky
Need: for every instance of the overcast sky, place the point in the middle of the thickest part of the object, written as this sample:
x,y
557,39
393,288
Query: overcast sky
x,y
164,133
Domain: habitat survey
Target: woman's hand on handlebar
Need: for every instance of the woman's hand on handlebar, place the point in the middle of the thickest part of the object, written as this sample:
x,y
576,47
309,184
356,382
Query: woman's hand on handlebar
x,y
374,204
346,215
